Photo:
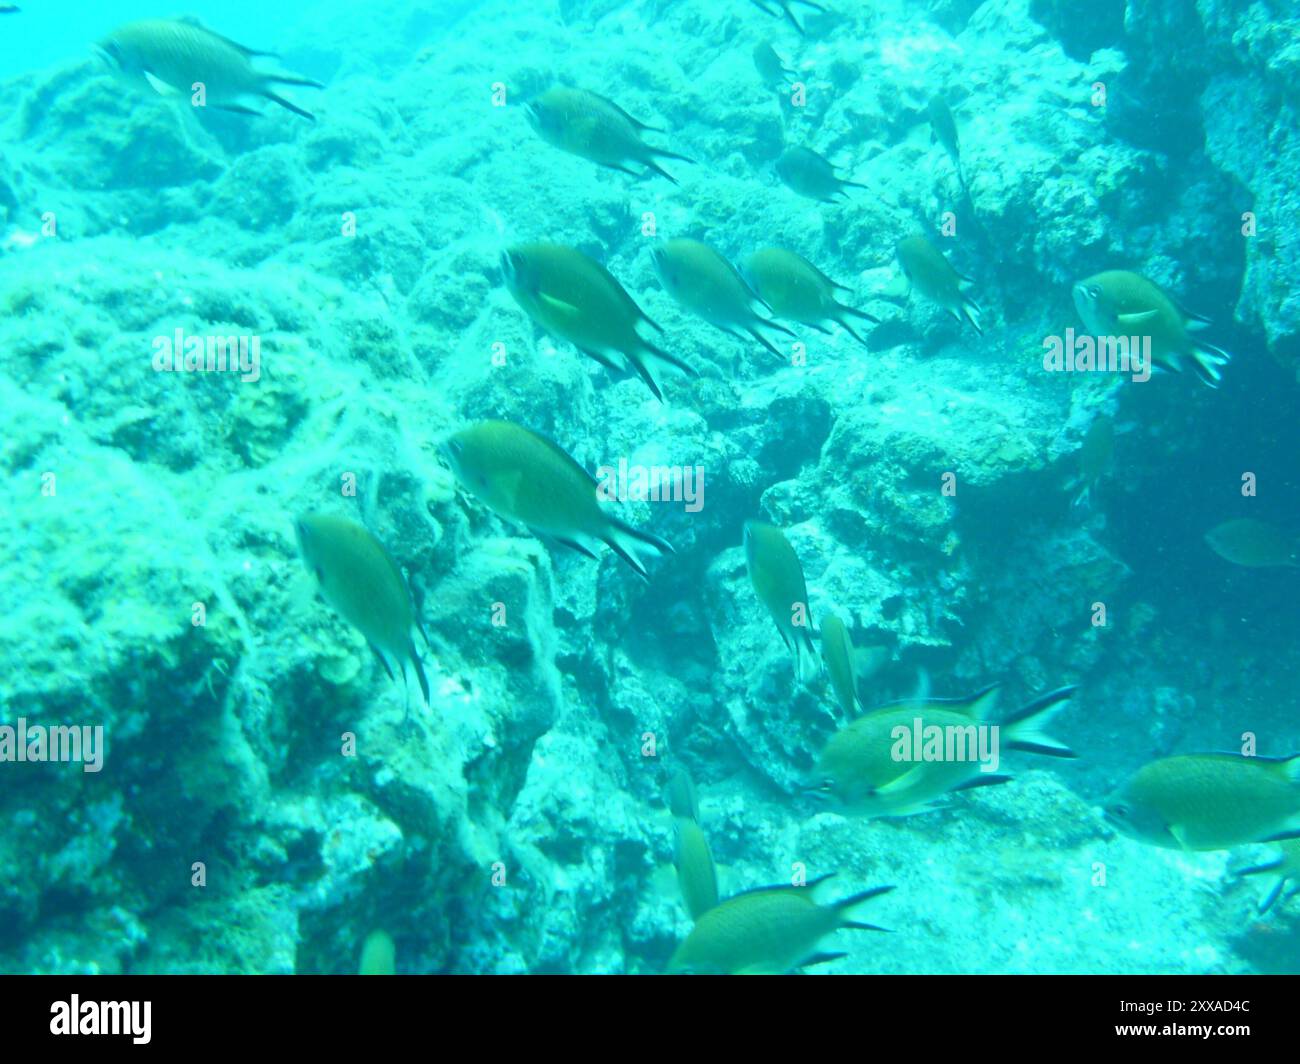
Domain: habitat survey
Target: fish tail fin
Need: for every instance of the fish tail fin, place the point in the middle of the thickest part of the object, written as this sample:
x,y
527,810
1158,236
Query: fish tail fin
x,y
288,105
970,312
663,153
660,171
290,79
766,342
420,675
634,546
854,333
804,642
638,362
844,308
1026,726
844,905
1206,360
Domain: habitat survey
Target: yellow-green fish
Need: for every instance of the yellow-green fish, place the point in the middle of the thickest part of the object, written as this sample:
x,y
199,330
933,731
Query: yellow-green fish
x,y
1123,303
899,758
707,284
778,581
575,298
1287,869
1209,801
1094,457
683,800
526,478
597,129
172,56
378,955
809,174
360,579
1254,544
696,873
930,273
943,128
784,9
770,66
794,288
768,931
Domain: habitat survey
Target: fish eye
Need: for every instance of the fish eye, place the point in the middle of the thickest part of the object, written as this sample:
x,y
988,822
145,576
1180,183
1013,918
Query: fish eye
x,y
1119,809
1094,291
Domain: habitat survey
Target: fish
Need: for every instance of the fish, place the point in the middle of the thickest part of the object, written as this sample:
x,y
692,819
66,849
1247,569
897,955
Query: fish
x,y
859,772
1094,457
1287,868
943,128
697,876
170,56
9,9
1209,801
794,288
784,9
927,270
527,479
1123,303
706,284
360,579
1254,544
768,931
683,801
838,655
778,581
588,125
378,955
804,171
573,297
770,66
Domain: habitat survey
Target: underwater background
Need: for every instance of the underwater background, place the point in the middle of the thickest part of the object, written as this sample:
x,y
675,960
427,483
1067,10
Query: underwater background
x,y
270,798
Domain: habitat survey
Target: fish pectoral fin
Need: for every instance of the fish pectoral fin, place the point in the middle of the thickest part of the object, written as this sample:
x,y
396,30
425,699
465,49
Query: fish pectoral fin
x,y
557,306
159,86
898,784
1130,320
1179,832
238,109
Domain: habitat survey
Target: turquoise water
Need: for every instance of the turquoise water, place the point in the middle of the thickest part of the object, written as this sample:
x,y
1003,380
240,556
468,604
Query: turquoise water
x,y
352,664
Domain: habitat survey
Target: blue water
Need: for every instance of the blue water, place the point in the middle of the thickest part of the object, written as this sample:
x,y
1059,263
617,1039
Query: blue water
x,y
262,784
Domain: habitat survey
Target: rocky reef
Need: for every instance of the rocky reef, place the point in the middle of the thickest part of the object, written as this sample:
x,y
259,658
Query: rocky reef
x,y
517,823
